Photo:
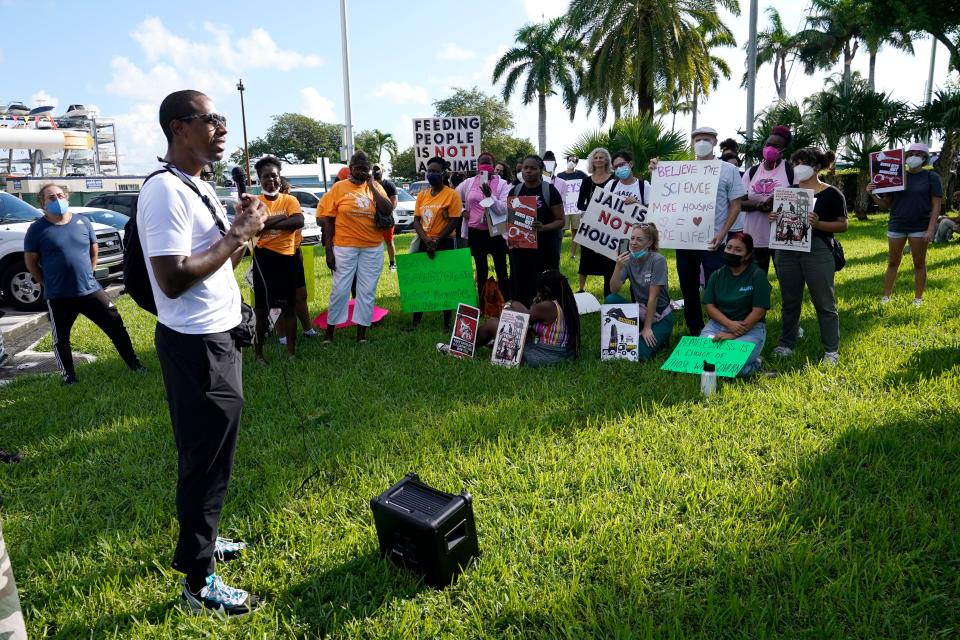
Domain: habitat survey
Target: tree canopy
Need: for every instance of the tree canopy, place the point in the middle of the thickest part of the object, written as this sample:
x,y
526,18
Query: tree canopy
x,y
297,139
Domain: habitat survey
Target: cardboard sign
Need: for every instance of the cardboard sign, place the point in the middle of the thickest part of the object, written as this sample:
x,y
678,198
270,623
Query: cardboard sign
x,y
791,231
438,284
728,356
463,341
511,336
607,220
455,139
619,332
886,171
683,201
521,214
586,303
570,196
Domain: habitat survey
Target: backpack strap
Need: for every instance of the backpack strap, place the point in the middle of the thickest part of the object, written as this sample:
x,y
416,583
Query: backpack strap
x,y
789,169
545,188
169,168
753,170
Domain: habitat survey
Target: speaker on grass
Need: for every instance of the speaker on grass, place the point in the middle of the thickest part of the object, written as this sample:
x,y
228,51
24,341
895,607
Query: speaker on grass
x,y
425,530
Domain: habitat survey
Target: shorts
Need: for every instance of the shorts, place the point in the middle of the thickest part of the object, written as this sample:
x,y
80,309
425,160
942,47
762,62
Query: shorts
x,y
897,235
541,355
572,222
388,235
299,276
279,272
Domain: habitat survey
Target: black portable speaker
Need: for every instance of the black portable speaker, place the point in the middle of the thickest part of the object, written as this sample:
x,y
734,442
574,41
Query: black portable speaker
x,y
424,530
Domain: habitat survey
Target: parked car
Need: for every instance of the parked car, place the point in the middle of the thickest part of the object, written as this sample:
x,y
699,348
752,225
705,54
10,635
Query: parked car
x,y
403,212
106,217
125,203
417,187
16,283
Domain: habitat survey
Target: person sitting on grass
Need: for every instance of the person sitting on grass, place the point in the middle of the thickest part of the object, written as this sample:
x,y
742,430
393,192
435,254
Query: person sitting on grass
x,y
554,335
646,270
947,226
737,298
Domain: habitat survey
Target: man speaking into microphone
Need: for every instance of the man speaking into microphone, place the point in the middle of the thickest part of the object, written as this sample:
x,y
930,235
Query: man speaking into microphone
x,y
190,251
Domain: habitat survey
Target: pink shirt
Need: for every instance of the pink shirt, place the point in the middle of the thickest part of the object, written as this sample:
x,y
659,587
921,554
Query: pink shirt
x,y
471,195
761,188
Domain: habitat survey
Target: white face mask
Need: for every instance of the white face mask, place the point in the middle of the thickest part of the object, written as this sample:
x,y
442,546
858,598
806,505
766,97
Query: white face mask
x,y
802,172
270,194
549,165
571,165
520,176
702,148
914,162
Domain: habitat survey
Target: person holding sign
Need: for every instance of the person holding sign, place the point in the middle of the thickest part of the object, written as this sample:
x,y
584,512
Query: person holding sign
x,y
913,218
525,264
815,269
353,244
646,270
591,262
737,298
554,335
573,177
484,197
435,216
760,181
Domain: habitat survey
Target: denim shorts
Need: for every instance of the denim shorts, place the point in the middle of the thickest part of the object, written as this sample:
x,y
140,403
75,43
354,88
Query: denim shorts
x,y
896,235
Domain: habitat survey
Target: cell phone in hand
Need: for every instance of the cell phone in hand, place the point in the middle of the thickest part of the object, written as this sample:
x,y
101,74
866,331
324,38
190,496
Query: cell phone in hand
x,y
484,178
623,246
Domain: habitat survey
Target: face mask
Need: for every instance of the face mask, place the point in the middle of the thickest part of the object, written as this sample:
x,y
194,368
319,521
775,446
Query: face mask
x,y
549,165
702,148
571,166
802,172
485,168
377,175
732,259
622,172
519,176
58,207
771,154
270,194
435,179
914,162
360,176
637,255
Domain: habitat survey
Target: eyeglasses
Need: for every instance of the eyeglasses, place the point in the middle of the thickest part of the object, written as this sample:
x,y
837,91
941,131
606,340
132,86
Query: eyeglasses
x,y
214,119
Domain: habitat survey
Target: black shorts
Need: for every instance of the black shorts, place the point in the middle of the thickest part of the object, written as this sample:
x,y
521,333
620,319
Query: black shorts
x,y
299,277
279,271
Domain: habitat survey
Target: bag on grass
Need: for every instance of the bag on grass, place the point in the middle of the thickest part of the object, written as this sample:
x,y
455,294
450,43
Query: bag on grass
x,y
839,260
491,300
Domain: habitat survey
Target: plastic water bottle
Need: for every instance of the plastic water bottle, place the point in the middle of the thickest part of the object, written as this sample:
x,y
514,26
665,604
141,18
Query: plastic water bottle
x,y
708,379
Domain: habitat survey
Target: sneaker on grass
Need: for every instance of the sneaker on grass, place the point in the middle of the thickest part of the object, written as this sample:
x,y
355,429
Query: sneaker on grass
x,y
218,599
831,358
225,549
310,333
783,352
443,347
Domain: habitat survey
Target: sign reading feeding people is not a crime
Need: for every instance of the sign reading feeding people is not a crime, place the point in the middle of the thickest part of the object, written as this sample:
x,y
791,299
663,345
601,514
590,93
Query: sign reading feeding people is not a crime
x,y
457,140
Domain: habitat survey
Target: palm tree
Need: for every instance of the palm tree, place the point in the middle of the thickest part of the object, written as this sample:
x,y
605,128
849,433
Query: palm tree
x,y
673,103
708,76
876,35
835,32
549,58
942,117
637,46
785,113
774,45
384,142
641,135
219,169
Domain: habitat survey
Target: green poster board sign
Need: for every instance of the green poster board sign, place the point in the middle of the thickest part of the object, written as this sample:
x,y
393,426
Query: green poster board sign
x,y
728,356
438,284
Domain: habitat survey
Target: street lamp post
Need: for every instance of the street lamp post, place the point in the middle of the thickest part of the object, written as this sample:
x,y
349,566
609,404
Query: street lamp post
x,y
243,118
348,129
751,68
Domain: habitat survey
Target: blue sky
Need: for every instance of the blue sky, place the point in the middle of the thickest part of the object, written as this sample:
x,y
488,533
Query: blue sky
x,y
403,56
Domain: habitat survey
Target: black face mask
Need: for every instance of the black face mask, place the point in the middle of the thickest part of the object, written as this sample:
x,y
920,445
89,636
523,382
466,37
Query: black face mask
x,y
377,175
732,259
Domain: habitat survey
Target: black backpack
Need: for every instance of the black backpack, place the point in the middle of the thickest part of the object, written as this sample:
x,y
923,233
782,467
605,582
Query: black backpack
x,y
136,280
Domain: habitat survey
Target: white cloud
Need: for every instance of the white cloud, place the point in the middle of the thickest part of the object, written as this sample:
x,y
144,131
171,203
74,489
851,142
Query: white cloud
x,y
42,98
139,139
538,10
456,54
401,92
316,105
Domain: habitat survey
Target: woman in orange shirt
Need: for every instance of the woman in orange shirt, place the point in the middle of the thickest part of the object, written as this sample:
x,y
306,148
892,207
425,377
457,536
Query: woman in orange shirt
x,y
353,244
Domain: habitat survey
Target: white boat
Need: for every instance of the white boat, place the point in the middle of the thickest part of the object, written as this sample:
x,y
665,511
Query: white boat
x,y
44,110
17,108
77,111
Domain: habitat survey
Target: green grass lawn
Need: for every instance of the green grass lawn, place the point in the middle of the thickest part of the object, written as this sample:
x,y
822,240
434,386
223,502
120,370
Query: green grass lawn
x,y
611,501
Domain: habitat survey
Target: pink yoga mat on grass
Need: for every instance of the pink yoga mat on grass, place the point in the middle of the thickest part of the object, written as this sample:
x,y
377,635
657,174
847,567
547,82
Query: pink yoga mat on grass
x,y
320,322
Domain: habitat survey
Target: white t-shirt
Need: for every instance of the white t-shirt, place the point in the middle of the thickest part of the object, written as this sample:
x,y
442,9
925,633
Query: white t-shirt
x,y
172,220
625,190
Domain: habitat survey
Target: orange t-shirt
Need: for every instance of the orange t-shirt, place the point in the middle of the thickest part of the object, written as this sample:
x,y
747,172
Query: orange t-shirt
x,y
353,207
435,211
279,240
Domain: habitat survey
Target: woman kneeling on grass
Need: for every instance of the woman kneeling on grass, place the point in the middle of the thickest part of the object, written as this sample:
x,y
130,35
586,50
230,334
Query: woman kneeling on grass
x,y
647,271
737,298
554,323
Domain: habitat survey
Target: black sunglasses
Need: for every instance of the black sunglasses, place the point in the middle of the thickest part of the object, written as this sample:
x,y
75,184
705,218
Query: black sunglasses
x,y
214,119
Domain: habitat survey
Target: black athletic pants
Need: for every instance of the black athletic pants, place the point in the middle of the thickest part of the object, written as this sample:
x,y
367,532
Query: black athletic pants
x,y
99,308
202,376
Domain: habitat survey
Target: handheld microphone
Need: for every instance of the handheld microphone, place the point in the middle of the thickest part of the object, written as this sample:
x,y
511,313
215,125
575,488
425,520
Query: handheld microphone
x,y
240,179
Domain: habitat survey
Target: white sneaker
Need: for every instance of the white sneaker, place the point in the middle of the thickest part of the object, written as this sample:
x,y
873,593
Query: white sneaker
x,y
800,333
831,358
917,302
443,347
283,340
885,300
783,352
310,333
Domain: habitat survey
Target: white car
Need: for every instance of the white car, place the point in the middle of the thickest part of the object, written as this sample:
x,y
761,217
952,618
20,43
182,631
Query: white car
x,y
309,198
403,212
311,230
17,284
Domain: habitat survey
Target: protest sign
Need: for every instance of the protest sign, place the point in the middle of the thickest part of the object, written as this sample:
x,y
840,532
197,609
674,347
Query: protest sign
x,y
463,341
728,356
570,195
683,201
521,214
511,334
455,139
308,270
619,332
607,220
438,284
791,230
886,171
